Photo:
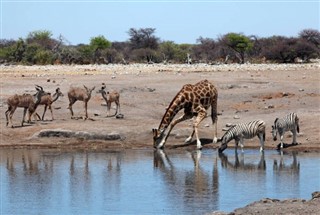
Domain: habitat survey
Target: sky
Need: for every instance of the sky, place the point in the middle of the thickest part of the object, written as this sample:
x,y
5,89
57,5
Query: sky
x,y
178,21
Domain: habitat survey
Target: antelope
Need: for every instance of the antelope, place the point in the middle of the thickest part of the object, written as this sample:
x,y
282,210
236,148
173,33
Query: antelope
x,y
26,101
110,97
47,101
77,93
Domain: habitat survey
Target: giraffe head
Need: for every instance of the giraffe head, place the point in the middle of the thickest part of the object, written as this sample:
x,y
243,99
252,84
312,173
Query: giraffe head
x,y
157,138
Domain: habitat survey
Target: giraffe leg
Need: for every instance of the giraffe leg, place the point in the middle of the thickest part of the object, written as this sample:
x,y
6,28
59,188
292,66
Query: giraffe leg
x,y
214,117
201,115
190,137
172,124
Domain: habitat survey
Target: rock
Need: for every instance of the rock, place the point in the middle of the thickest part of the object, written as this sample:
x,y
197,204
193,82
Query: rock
x,y
77,134
236,117
230,124
315,195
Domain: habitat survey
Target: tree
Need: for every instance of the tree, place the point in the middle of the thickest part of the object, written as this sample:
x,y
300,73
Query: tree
x,y
98,44
42,38
143,38
205,50
144,41
239,43
311,35
168,50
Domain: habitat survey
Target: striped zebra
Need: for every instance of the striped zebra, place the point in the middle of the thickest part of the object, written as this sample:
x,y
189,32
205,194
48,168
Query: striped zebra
x,y
242,131
289,122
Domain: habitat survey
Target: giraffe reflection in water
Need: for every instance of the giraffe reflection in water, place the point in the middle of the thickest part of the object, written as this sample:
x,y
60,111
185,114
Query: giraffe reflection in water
x,y
196,186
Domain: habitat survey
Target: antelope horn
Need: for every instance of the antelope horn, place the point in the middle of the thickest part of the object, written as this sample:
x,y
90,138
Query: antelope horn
x,y
37,86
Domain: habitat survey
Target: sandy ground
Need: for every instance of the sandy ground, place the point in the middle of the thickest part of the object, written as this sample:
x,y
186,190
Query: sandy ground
x,y
246,92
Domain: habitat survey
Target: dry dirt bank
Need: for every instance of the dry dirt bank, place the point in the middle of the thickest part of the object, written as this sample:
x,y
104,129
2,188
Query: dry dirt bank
x,y
246,92
275,206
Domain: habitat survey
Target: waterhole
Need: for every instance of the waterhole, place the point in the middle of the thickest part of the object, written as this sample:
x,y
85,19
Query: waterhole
x,y
150,182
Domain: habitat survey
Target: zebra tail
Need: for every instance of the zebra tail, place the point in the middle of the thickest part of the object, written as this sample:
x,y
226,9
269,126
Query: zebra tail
x,y
264,136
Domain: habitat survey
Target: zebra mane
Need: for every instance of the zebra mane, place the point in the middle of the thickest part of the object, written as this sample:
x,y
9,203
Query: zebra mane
x,y
227,132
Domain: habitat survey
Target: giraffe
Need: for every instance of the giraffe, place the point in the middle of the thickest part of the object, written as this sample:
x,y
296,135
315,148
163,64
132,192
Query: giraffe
x,y
195,100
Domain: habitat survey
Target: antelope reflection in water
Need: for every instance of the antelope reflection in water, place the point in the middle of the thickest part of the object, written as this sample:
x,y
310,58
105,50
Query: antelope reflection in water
x,y
31,161
196,186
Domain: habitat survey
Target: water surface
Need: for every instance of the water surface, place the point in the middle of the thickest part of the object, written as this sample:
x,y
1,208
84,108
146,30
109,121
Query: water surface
x,y
148,182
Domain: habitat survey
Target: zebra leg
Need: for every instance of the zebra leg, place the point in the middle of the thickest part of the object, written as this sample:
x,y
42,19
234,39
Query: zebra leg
x,y
261,138
241,144
236,145
281,141
294,137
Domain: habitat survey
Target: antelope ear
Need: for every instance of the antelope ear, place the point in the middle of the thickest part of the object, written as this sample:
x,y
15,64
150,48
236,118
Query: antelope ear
x,y
85,87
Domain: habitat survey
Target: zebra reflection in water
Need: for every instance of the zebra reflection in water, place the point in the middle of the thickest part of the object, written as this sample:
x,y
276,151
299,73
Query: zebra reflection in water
x,y
239,164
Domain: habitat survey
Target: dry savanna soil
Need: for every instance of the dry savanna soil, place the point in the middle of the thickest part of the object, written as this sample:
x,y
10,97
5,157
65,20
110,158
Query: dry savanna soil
x,y
246,92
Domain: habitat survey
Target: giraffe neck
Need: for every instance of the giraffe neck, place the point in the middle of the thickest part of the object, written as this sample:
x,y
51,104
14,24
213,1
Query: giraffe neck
x,y
175,106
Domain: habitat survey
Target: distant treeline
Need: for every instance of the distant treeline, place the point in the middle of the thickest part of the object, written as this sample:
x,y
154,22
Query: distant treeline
x,y
144,47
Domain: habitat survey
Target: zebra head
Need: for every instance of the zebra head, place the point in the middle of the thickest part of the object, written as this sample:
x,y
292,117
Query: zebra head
x,y
157,138
275,130
226,138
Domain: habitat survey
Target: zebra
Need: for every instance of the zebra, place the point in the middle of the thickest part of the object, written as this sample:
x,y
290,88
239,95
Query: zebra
x,y
242,131
289,122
